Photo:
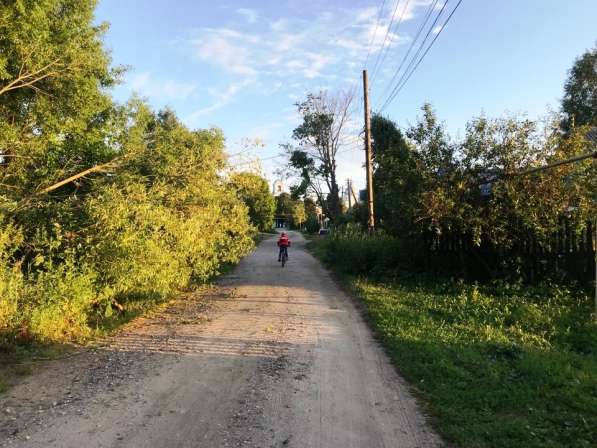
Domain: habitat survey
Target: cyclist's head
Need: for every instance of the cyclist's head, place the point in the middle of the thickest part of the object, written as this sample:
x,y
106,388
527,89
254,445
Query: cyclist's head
x,y
283,234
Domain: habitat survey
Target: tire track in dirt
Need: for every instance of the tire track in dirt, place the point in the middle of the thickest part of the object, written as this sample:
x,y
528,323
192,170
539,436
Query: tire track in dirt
x,y
278,358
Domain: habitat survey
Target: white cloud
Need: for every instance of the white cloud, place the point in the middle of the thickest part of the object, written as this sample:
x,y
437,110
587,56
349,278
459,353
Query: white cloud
x,y
318,61
223,97
303,53
146,85
250,14
367,14
174,89
219,51
279,25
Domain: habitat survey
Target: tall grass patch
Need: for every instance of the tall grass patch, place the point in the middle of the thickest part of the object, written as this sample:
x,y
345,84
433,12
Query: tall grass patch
x,y
497,369
496,365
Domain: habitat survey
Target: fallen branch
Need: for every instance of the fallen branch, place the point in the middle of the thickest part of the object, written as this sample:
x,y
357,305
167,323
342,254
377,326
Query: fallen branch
x,y
70,179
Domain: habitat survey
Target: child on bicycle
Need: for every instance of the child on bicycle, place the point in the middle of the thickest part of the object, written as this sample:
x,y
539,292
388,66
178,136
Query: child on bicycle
x,y
283,244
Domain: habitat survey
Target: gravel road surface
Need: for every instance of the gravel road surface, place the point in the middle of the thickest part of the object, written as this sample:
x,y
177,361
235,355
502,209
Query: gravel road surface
x,y
272,357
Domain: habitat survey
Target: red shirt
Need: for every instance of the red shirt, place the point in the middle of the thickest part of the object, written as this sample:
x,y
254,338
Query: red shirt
x,y
284,241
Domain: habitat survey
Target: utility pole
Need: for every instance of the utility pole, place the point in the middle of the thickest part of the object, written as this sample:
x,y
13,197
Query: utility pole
x,y
371,221
348,185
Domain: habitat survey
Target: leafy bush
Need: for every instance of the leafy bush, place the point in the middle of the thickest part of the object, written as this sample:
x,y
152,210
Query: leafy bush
x,y
312,225
127,240
58,303
11,279
149,212
353,251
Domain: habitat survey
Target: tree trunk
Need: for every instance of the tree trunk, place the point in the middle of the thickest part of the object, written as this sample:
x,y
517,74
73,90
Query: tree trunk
x,y
333,199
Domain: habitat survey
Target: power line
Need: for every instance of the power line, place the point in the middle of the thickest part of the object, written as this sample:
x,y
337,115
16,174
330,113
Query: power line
x,y
383,3
421,28
385,37
259,159
401,85
416,55
373,77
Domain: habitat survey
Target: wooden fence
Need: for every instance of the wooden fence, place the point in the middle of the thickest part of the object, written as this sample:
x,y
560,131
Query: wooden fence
x,y
566,255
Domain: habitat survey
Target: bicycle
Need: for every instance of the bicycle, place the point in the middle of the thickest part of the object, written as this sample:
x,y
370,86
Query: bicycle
x,y
284,258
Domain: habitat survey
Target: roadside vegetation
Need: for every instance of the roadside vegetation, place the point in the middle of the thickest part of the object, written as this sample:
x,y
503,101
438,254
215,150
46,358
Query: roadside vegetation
x,y
106,209
479,281
497,365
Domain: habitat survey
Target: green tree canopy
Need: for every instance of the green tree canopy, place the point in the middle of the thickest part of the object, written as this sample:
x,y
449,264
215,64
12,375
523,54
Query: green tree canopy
x,y
151,214
396,179
55,114
580,92
298,213
310,208
253,190
284,205
319,135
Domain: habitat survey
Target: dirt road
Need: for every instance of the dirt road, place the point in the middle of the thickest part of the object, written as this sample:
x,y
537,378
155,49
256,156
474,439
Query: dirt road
x,y
280,358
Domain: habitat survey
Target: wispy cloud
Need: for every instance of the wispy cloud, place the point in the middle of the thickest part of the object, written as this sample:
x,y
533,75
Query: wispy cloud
x,y
337,37
295,54
228,49
146,85
222,98
250,14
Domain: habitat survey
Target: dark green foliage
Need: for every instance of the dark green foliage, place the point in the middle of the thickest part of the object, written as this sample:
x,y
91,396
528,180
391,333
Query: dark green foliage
x,y
312,225
310,208
580,93
429,192
397,180
353,251
291,209
284,205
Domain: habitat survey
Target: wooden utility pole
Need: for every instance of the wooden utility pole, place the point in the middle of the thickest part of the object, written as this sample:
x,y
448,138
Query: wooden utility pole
x,y
371,221
349,187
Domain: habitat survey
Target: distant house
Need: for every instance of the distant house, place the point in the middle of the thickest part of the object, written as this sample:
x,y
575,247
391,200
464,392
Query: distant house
x,y
278,187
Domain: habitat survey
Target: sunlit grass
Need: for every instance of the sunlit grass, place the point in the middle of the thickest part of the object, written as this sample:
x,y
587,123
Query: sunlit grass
x,y
497,368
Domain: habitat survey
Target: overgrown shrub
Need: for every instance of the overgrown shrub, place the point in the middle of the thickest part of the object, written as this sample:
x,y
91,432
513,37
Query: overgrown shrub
x,y
152,214
11,278
58,302
312,225
353,251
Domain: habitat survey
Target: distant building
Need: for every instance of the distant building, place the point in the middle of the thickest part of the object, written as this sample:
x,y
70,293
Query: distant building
x,y
278,187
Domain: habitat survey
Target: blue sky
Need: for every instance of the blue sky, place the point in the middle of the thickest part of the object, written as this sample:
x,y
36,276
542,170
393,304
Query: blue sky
x,y
241,65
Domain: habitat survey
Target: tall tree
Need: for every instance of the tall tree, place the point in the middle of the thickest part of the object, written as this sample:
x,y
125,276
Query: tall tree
x,y
55,115
310,208
396,177
299,215
319,137
436,167
580,92
253,190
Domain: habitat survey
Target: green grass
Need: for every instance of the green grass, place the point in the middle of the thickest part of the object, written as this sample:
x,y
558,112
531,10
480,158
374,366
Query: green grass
x,y
495,366
497,370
